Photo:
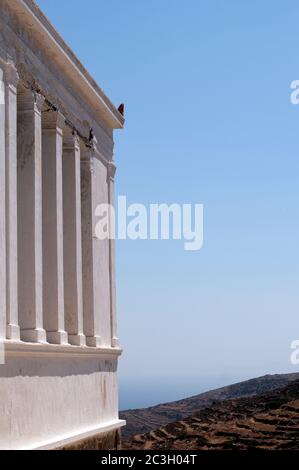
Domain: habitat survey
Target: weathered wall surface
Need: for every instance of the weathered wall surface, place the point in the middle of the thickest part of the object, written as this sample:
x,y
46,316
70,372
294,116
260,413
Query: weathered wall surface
x,y
44,399
104,441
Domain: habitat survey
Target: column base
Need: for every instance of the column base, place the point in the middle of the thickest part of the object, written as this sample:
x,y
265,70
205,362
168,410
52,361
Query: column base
x,y
94,341
13,332
77,340
37,335
57,337
115,342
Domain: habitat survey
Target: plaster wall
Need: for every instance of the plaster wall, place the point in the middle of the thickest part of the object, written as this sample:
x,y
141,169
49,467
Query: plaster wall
x,y
44,400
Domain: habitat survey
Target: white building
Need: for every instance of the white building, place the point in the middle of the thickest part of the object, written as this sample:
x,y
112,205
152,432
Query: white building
x,y
58,386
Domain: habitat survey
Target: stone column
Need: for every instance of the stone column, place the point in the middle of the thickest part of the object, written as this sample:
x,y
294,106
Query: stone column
x,y
30,268
2,209
53,279
11,82
72,238
110,181
90,268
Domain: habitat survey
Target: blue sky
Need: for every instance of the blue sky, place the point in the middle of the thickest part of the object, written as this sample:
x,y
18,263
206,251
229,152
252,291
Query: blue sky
x,y
208,120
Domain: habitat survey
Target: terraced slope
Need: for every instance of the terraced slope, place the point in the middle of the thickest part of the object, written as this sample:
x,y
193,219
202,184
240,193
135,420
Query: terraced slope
x,y
144,420
269,421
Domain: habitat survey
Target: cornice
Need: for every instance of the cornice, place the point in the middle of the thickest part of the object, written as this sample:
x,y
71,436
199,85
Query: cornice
x,y
31,17
19,348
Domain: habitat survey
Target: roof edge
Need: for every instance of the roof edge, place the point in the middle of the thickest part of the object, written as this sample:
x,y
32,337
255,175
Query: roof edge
x,y
72,65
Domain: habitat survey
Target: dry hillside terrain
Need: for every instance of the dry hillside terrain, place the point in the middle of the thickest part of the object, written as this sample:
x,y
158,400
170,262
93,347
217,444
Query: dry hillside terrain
x,y
267,421
144,420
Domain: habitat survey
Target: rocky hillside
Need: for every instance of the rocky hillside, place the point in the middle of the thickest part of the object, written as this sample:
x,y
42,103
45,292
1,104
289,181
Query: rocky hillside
x,y
143,420
268,421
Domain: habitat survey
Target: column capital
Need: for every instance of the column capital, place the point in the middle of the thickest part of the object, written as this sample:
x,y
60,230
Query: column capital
x,y
11,76
111,169
77,140
2,68
39,100
93,141
53,120
71,139
30,100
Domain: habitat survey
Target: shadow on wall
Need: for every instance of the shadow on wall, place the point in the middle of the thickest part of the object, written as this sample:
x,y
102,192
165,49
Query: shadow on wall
x,y
55,367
